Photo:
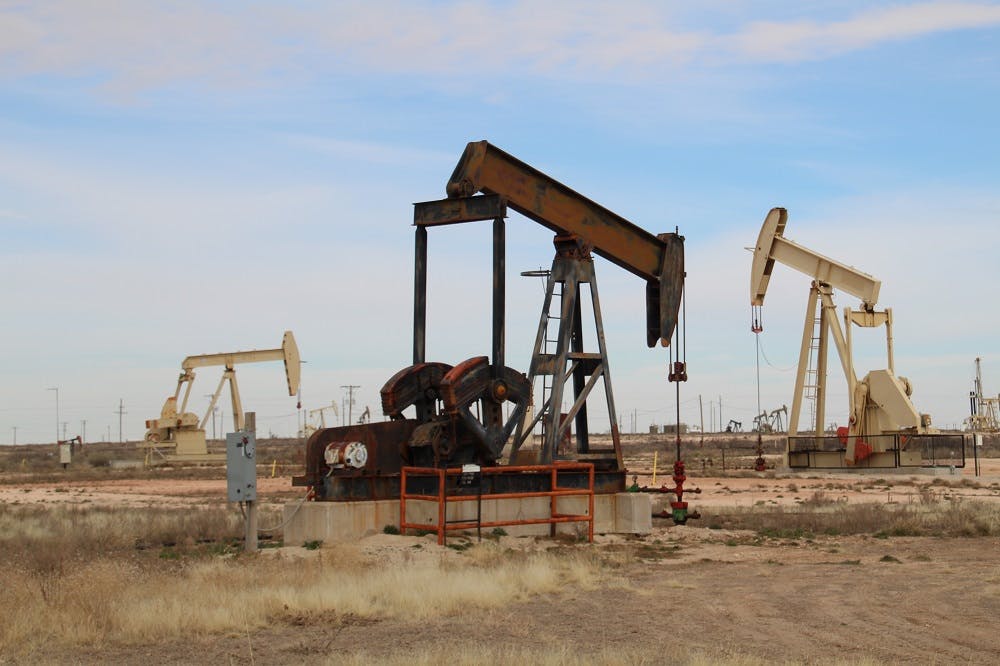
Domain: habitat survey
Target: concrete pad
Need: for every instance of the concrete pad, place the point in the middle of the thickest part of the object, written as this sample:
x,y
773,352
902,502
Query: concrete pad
x,y
622,513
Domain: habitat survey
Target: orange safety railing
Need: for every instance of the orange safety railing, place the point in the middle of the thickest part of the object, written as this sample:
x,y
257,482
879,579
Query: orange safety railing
x,y
443,498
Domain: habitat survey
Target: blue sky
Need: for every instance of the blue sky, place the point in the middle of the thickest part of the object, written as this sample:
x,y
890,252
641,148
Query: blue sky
x,y
181,178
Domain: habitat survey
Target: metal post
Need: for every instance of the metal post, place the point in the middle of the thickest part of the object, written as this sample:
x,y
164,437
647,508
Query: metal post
x,y
442,508
579,379
852,378
605,369
499,296
479,508
402,501
827,318
590,504
552,501
420,296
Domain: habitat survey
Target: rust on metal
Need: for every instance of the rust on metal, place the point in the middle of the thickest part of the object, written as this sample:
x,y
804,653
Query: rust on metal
x,y
657,259
472,382
454,211
413,385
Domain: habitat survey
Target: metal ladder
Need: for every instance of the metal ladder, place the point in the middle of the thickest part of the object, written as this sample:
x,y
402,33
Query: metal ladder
x,y
810,387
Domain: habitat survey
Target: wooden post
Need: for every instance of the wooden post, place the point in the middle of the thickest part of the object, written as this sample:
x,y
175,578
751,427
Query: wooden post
x,y
251,533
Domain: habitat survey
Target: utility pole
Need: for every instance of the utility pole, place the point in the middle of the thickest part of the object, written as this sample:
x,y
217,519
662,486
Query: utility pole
x,y
64,424
350,400
56,389
83,427
701,411
121,412
721,427
108,440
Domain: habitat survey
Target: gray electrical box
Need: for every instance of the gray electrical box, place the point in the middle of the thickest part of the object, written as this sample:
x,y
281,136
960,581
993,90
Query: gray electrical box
x,y
241,466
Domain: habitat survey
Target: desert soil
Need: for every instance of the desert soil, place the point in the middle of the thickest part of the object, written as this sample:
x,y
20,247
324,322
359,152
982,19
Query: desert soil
x,y
717,592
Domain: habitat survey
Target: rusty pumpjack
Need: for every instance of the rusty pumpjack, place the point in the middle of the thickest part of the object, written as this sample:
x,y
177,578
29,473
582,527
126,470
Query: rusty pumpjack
x,y
454,413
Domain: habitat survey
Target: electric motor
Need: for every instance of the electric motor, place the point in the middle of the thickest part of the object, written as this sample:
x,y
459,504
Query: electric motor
x,y
346,454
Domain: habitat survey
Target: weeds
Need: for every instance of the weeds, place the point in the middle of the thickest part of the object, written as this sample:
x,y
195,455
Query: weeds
x,y
818,499
128,576
970,518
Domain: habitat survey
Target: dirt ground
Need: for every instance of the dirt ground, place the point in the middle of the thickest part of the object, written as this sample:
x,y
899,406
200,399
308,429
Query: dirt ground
x,y
704,591
140,492
856,599
768,488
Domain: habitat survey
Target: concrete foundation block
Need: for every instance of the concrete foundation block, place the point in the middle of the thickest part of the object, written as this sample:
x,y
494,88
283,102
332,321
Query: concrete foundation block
x,y
622,513
633,513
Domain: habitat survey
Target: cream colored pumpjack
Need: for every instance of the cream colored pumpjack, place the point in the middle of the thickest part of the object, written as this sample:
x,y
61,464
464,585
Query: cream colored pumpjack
x,y
312,427
880,403
181,430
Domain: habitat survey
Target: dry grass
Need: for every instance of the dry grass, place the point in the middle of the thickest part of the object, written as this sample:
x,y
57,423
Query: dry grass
x,y
820,515
76,578
81,532
121,602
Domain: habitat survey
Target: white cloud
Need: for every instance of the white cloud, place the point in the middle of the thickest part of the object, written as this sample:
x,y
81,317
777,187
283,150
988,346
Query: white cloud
x,y
139,46
793,41
366,151
12,215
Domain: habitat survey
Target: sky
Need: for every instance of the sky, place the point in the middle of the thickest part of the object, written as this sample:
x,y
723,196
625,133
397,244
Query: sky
x,y
181,178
